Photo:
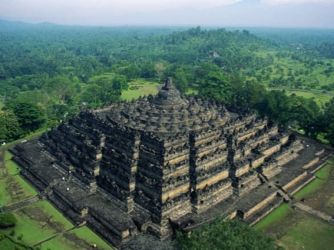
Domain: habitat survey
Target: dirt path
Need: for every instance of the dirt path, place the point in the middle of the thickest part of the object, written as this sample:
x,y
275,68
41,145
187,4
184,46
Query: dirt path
x,y
55,235
289,198
316,213
20,204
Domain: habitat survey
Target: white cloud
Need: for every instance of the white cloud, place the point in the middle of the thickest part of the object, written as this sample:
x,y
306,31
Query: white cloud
x,y
112,5
98,11
279,2
171,12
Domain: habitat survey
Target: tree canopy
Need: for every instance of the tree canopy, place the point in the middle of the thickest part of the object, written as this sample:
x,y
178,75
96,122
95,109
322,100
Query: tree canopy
x,y
232,234
49,73
7,220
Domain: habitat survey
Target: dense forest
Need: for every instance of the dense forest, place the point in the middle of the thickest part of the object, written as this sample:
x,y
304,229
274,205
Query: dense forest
x,y
49,72
220,234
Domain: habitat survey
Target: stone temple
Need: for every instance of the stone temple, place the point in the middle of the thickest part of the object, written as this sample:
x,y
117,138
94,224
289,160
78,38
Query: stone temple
x,y
166,162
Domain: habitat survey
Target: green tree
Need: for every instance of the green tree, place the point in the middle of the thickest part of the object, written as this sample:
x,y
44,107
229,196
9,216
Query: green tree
x,y
62,88
100,95
131,71
7,220
216,85
225,235
91,96
330,134
159,70
29,115
180,79
9,127
276,105
2,73
328,121
306,113
119,83
245,94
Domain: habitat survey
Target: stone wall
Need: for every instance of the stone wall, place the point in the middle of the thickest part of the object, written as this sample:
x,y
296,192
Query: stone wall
x,y
119,165
260,205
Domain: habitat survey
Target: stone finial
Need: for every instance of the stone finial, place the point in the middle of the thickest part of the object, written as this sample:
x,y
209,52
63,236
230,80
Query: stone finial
x,y
168,83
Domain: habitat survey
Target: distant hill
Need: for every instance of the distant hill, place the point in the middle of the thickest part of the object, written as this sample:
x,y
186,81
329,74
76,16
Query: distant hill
x,y
6,25
295,36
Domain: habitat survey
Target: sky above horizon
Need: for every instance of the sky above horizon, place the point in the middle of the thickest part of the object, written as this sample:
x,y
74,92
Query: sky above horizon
x,y
264,13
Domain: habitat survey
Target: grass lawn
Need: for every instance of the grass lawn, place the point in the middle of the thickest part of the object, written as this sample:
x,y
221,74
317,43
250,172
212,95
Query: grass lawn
x,y
191,91
30,230
138,88
275,216
13,187
309,234
309,189
82,238
294,229
26,187
41,220
319,194
57,243
286,67
8,155
295,76
104,76
91,237
322,177
6,244
38,222
320,98
51,211
12,167
5,198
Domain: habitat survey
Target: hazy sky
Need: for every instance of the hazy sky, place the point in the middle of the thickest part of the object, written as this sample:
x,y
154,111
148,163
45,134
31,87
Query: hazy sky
x,y
277,13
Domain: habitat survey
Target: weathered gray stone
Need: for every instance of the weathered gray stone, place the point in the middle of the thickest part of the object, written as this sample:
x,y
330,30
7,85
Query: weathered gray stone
x,y
134,167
